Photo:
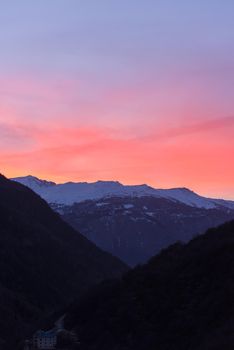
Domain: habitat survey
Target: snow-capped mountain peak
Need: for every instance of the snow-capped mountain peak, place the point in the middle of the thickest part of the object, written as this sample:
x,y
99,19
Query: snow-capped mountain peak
x,y
72,192
34,183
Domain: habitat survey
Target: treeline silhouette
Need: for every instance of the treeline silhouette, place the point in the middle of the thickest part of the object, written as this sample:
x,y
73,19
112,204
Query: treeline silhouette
x,y
182,299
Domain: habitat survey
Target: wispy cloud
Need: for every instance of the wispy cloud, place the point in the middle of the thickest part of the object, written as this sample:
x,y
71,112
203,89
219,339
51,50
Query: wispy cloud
x,y
193,128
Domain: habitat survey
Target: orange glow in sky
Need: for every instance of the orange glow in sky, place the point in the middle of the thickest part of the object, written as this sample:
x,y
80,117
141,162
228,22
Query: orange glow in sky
x,y
195,153
104,90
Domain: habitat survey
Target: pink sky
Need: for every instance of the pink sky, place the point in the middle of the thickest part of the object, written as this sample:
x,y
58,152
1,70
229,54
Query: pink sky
x,y
64,143
138,94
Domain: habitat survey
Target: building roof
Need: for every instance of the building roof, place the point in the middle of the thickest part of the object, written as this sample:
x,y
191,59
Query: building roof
x,y
46,334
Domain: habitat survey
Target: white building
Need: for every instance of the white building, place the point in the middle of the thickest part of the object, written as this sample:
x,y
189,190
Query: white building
x,y
45,340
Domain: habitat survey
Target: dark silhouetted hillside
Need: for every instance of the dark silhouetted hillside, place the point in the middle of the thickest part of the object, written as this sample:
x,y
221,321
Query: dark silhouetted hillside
x,y
44,263
182,299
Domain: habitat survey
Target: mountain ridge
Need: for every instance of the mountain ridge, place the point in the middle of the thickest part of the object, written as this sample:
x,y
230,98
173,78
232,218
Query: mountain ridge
x,y
75,192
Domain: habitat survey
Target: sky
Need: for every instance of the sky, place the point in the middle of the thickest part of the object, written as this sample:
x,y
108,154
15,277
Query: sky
x,y
129,90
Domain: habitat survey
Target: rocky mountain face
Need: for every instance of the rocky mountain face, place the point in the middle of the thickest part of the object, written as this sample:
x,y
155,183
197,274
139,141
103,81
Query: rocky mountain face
x,y
132,222
136,228
44,263
182,299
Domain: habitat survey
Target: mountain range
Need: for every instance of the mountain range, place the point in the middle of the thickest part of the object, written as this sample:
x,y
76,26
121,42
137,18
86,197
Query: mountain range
x,y
181,299
71,192
132,222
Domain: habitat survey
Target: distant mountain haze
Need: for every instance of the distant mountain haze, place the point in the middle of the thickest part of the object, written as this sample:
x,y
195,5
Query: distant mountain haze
x,y
132,222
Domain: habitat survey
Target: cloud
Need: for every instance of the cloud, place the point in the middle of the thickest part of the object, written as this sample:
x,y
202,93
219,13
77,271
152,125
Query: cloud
x,y
193,128
207,125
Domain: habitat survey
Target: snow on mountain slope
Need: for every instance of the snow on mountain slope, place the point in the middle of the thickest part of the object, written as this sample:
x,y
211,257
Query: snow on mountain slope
x,y
70,192
34,183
